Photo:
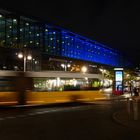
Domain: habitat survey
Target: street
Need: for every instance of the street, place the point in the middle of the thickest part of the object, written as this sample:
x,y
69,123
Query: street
x,y
69,122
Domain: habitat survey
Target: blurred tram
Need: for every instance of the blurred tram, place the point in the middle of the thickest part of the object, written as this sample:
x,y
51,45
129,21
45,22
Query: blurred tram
x,y
49,87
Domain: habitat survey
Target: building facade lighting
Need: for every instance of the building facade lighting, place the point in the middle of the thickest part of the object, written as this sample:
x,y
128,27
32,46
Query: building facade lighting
x,y
84,69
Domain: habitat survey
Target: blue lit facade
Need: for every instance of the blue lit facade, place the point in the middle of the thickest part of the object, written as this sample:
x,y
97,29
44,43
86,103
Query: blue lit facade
x,y
52,41
19,32
85,49
63,43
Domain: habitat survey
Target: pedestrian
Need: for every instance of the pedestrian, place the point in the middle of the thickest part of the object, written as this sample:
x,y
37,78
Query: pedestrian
x,y
131,89
136,92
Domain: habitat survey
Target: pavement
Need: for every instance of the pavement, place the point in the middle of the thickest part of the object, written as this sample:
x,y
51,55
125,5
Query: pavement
x,y
126,116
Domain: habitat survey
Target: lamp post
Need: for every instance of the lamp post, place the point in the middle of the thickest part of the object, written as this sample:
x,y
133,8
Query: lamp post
x,y
65,66
103,71
25,58
84,69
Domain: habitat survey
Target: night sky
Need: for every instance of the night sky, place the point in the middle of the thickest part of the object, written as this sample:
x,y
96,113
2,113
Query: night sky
x,y
115,23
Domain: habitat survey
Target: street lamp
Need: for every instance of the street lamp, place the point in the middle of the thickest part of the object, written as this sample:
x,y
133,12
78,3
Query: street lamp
x,y
84,69
103,71
25,58
65,66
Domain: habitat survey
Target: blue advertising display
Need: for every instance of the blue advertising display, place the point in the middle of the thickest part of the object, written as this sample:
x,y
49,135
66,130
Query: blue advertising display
x,y
118,75
118,81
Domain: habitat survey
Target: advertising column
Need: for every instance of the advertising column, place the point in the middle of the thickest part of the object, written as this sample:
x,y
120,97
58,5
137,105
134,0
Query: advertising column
x,y
118,81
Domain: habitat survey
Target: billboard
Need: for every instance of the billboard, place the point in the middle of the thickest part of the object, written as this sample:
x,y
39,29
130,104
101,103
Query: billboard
x,y
118,81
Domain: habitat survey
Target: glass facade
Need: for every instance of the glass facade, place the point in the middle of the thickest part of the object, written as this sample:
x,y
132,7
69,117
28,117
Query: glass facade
x,y
18,32
8,31
52,41
31,33
80,48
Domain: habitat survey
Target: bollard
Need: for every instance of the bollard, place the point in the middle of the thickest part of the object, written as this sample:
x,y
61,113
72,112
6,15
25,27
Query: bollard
x,y
135,109
128,106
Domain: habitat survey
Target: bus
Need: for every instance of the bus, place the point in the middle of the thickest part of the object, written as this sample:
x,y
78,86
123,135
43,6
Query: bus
x,y
48,87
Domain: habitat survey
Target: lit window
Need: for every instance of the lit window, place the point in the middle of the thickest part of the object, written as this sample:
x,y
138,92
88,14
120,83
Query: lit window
x,y
21,30
14,20
20,55
27,24
29,57
31,41
10,27
37,34
37,43
4,67
30,32
36,62
46,30
0,16
51,38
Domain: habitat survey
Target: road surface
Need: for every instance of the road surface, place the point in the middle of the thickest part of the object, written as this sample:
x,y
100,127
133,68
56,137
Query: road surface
x,y
65,122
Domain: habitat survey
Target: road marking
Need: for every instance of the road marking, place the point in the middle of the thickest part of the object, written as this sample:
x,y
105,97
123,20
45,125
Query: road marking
x,y
21,116
43,112
32,114
39,112
10,117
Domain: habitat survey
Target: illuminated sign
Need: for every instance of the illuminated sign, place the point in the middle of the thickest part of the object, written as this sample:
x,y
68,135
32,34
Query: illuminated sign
x,y
118,81
118,68
118,75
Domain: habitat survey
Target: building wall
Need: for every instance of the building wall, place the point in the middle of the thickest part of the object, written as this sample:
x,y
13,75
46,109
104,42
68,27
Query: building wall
x,y
22,32
78,48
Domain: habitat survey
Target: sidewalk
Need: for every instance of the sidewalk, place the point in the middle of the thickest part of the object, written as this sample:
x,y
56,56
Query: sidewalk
x,y
124,118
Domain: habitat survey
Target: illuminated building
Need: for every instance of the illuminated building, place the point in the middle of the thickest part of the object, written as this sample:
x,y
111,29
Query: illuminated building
x,y
48,42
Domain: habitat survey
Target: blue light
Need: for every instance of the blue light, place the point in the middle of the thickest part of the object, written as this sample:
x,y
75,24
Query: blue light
x,y
78,47
87,51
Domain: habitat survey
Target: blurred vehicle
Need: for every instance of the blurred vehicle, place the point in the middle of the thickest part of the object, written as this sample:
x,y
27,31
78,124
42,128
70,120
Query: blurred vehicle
x,y
49,87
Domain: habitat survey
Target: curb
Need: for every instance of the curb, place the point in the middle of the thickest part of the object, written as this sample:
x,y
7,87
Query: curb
x,y
115,118
45,105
